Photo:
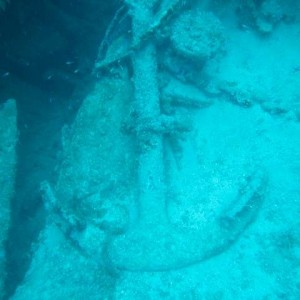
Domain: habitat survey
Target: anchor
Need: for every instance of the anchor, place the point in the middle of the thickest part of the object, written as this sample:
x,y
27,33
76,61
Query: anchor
x,y
152,242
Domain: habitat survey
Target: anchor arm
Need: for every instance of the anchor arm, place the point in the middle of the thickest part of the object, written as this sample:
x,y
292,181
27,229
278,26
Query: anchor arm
x,y
169,247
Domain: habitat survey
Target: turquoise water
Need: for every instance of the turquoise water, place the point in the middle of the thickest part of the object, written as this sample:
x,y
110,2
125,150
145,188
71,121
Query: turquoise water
x,y
158,150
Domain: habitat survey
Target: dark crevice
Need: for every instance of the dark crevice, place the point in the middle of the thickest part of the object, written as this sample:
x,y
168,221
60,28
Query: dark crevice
x,y
47,50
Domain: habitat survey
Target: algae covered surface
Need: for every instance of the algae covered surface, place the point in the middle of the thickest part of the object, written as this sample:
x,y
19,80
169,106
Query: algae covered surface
x,y
174,170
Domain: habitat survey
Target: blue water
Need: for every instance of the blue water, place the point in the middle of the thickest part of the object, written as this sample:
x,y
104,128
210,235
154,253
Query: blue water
x,y
157,154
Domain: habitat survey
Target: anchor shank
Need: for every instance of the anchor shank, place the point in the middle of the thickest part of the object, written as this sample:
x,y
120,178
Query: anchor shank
x,y
147,105
151,186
